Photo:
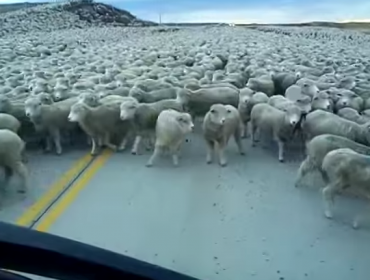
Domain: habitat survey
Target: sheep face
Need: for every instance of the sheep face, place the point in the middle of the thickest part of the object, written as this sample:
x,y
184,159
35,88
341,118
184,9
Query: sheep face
x,y
347,83
88,98
128,109
309,89
185,123
45,98
32,108
58,95
293,115
345,99
304,102
78,112
321,101
136,93
218,114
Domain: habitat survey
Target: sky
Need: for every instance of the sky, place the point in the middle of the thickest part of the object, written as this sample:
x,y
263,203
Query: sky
x,y
242,11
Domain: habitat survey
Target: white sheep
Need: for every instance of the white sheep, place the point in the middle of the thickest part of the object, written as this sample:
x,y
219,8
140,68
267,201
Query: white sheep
x,y
350,99
321,122
100,123
263,83
11,156
353,115
171,128
220,122
202,99
52,118
281,103
247,99
317,149
282,123
10,122
322,101
144,115
342,169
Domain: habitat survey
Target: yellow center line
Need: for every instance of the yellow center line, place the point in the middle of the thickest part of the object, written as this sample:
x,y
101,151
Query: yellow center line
x,y
32,213
57,210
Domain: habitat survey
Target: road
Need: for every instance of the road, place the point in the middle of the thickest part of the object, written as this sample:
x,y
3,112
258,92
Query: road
x,y
243,221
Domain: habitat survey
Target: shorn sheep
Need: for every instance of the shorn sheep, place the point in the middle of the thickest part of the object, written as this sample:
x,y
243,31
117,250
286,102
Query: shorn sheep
x,y
281,123
219,124
319,147
11,158
342,169
171,128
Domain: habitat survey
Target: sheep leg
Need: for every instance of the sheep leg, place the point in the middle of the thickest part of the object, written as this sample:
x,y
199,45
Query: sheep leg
x,y
280,148
149,141
244,131
55,134
304,168
94,146
107,142
361,216
238,142
122,144
22,171
328,194
253,134
48,144
157,151
135,147
220,148
175,154
210,147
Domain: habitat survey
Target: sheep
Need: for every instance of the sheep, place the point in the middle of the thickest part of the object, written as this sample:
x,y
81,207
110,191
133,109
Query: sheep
x,y
16,109
144,115
171,128
220,122
344,168
350,99
99,123
202,99
263,83
282,123
283,81
321,122
10,122
11,156
319,147
52,118
247,99
280,102
153,96
322,101
353,115
304,88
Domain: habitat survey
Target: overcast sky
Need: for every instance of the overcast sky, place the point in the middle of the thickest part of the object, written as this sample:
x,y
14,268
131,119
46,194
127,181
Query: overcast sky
x,y
248,11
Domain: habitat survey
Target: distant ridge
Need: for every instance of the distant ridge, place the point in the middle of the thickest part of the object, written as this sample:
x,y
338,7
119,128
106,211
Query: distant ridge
x,y
87,10
344,25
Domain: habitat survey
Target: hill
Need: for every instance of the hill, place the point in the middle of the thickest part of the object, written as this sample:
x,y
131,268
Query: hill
x,y
87,10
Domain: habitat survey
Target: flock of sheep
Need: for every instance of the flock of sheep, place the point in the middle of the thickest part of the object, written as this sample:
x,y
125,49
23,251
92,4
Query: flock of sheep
x,y
119,86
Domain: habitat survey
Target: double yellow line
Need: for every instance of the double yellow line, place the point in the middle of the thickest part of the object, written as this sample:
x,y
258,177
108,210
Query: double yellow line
x,y
85,169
